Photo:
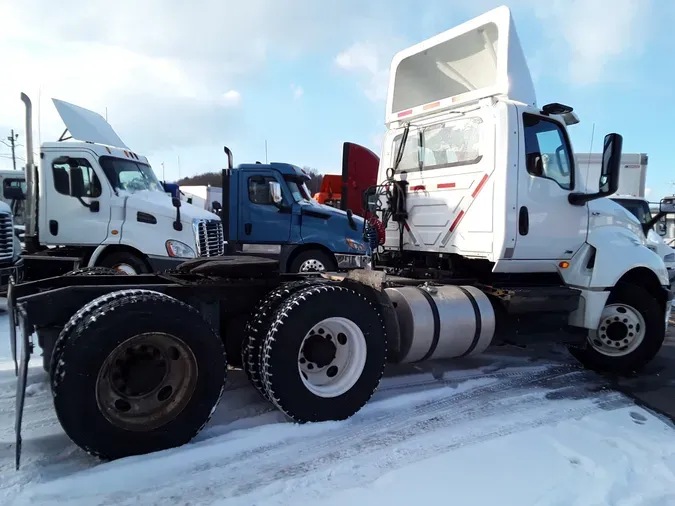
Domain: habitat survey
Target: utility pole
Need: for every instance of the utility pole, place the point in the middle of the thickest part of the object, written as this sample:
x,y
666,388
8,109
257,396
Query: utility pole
x,y
163,175
12,139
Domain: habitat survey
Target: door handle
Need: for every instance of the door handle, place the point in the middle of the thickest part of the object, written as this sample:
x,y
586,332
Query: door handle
x,y
247,228
523,221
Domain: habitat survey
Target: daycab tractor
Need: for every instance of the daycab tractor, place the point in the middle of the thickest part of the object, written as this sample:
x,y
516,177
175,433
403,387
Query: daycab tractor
x,y
486,241
270,212
95,203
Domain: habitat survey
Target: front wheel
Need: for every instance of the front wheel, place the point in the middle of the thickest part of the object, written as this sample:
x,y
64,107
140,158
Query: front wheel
x,y
126,262
313,261
630,334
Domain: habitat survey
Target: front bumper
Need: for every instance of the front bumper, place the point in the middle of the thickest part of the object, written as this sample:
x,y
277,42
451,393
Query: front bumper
x,y
161,264
347,262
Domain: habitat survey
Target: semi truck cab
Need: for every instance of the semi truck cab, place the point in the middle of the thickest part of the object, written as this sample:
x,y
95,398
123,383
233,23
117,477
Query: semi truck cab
x,y
274,215
95,202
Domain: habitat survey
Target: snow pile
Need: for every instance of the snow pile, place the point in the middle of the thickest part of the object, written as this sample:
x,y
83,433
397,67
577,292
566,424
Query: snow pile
x,y
493,431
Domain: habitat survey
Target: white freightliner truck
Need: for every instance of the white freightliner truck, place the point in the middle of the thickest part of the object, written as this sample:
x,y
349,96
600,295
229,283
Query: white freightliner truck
x,y
631,194
96,203
485,241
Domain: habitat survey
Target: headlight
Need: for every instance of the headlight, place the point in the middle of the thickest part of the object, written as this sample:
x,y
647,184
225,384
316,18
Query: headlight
x,y
179,249
670,257
355,244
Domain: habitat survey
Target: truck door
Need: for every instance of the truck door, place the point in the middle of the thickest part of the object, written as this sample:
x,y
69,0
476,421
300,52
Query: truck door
x,y
66,219
547,226
260,221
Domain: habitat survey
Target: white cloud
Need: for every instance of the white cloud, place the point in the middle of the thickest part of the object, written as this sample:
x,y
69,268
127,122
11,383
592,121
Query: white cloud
x,y
298,91
232,97
596,35
371,64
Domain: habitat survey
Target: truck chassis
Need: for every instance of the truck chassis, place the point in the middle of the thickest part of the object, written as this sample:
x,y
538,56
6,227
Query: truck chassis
x,y
138,364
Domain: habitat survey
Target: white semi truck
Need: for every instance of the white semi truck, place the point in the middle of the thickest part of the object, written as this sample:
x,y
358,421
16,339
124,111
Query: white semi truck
x,y
94,202
631,194
487,234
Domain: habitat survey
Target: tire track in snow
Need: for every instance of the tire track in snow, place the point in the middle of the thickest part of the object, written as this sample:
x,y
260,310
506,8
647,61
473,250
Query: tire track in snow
x,y
241,472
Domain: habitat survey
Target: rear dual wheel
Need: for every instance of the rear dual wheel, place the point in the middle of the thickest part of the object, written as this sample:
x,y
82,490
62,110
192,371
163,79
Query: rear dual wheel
x,y
137,371
324,353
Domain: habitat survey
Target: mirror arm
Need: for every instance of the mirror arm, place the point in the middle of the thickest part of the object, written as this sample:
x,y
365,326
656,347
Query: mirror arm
x,y
648,226
83,202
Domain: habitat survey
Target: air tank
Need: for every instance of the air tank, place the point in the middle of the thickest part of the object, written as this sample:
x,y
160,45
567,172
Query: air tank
x,y
438,322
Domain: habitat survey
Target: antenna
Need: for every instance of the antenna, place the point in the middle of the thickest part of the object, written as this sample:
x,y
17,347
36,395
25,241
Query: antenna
x,y
178,166
590,151
39,109
106,113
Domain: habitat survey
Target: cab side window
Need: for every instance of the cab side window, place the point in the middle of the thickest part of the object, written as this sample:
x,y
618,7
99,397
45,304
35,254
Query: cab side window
x,y
547,152
62,177
259,190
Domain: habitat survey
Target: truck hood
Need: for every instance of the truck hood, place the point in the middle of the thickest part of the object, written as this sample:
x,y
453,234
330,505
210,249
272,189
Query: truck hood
x,y
333,211
160,203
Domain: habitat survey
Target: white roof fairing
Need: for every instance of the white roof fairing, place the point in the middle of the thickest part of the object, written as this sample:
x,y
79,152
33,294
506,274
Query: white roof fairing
x,y
88,126
479,58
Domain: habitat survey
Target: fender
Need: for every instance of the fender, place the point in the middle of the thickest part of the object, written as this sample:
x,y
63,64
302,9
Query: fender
x,y
609,253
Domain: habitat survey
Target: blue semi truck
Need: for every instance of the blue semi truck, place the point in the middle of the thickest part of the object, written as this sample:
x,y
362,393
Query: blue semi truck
x,y
267,210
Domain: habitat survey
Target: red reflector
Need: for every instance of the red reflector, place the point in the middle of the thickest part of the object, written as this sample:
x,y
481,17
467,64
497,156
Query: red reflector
x,y
419,187
456,222
480,186
405,225
440,186
405,113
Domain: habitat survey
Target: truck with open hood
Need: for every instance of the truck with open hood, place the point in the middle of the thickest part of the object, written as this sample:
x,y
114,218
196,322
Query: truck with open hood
x,y
489,237
92,201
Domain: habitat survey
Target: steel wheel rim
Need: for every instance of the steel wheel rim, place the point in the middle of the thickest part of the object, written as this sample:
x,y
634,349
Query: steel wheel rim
x,y
620,332
312,265
332,357
146,381
126,268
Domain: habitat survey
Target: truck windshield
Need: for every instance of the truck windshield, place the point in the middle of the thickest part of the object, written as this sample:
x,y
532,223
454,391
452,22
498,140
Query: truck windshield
x,y
638,208
299,190
129,175
449,144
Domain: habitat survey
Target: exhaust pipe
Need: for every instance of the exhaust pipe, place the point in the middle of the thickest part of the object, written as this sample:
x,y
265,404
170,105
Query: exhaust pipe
x,y
228,152
31,193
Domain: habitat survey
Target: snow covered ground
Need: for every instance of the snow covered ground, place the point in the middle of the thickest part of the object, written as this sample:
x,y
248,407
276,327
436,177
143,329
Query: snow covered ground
x,y
499,429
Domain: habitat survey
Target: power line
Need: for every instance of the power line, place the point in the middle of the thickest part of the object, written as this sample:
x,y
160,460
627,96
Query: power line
x,y
12,145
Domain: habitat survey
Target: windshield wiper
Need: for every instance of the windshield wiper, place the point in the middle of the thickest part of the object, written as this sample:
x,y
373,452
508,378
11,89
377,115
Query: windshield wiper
x,y
401,148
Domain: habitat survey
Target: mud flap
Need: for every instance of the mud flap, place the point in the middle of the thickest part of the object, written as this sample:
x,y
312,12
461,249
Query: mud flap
x,y
12,322
26,349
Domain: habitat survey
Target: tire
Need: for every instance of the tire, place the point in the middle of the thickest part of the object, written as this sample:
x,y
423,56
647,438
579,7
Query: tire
x,y
83,271
320,261
628,301
83,375
125,260
302,313
259,324
96,271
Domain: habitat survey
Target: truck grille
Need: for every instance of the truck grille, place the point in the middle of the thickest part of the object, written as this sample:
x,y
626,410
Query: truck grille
x,y
210,240
6,236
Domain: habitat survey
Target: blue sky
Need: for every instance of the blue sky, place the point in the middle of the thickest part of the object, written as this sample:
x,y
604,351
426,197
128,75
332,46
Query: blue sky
x,y
306,76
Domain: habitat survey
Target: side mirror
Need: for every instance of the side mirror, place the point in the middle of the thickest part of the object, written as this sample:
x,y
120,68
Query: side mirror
x,y
76,183
667,205
175,201
216,205
275,193
661,229
611,163
13,193
609,174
